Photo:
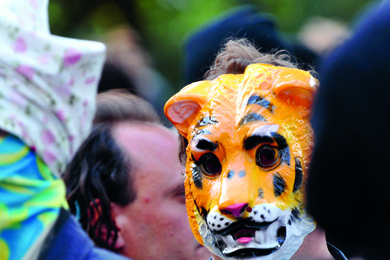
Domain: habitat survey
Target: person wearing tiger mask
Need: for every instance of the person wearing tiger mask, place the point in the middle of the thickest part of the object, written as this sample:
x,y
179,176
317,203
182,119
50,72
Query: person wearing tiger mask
x,y
246,141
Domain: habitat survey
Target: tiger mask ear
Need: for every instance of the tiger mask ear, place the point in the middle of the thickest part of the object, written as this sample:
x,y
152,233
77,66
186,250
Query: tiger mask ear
x,y
182,108
296,88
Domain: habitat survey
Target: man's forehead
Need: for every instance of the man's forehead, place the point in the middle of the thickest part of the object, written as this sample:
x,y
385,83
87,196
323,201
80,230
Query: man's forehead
x,y
146,140
134,133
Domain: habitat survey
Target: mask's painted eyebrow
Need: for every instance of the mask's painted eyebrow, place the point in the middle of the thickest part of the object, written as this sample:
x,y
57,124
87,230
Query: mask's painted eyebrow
x,y
203,144
262,134
280,140
254,140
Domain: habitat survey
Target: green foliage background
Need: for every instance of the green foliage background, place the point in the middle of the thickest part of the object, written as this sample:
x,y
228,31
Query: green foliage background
x,y
164,23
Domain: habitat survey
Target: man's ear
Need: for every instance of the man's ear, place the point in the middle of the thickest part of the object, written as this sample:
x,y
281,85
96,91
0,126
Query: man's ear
x,y
116,214
94,212
182,108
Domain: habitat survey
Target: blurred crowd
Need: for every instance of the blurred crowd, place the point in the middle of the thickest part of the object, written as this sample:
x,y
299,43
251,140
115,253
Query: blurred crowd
x,y
89,165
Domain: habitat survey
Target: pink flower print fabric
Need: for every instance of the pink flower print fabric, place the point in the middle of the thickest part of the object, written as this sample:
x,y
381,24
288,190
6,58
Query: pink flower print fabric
x,y
20,45
47,83
71,57
26,71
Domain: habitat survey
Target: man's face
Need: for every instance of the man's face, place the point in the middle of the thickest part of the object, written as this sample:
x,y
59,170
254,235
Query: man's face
x,y
155,225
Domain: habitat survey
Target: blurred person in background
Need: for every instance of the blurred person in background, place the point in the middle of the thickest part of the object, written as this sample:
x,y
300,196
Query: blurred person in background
x,y
201,46
125,183
131,64
347,185
322,35
113,76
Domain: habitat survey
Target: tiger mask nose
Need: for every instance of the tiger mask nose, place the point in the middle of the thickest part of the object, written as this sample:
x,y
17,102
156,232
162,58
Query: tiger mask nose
x,y
236,210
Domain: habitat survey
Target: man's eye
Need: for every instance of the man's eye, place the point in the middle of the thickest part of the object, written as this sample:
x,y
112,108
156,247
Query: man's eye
x,y
266,156
210,164
182,197
179,193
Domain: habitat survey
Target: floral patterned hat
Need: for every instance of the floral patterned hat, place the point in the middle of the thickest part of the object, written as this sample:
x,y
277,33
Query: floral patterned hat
x,y
47,83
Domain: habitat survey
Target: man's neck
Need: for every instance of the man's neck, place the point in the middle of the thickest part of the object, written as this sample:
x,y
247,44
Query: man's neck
x,y
314,247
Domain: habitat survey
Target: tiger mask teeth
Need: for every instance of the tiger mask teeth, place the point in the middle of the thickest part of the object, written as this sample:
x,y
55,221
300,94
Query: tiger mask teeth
x,y
263,231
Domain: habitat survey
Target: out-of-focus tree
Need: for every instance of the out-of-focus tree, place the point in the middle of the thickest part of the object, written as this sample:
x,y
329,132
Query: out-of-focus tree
x,y
85,17
162,24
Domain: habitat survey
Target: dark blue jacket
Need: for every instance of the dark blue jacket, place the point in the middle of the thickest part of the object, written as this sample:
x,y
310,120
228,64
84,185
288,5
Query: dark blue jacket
x,y
68,241
348,182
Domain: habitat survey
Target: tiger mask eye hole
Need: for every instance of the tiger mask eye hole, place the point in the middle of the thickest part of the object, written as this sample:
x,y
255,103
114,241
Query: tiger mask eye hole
x,y
266,156
210,164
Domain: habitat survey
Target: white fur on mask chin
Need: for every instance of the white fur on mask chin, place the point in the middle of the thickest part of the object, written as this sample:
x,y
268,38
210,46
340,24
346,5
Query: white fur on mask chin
x,y
296,232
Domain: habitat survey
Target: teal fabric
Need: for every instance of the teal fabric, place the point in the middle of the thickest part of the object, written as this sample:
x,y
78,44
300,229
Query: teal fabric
x,y
30,198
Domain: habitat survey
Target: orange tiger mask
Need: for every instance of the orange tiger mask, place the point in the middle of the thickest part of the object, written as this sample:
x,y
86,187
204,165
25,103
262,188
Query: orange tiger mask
x,y
249,145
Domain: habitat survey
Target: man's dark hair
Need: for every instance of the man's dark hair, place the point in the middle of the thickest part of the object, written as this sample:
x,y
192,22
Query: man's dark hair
x,y
233,58
100,173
